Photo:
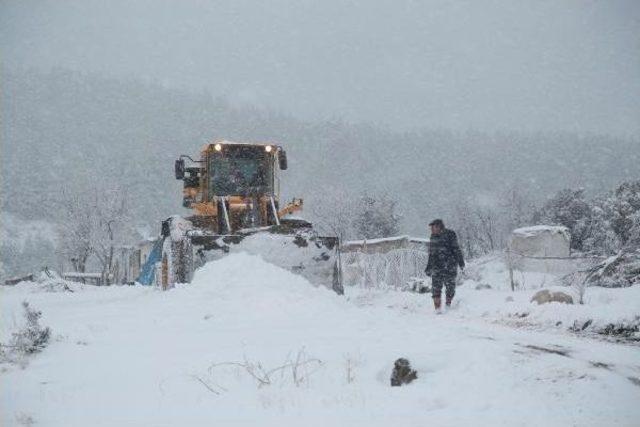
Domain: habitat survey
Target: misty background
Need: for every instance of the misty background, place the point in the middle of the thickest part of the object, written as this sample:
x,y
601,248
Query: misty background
x,y
433,104
486,65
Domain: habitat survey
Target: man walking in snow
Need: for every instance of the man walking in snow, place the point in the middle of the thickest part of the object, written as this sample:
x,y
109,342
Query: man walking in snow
x,y
445,257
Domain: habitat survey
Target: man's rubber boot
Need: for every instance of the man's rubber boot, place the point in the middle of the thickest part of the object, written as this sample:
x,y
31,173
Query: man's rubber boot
x,y
448,302
437,303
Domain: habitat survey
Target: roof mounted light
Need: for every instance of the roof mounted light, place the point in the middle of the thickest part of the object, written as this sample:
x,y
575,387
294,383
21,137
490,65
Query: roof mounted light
x,y
268,148
217,147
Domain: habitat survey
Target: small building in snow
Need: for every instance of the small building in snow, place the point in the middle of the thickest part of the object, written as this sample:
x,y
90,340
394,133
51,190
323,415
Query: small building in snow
x,y
544,248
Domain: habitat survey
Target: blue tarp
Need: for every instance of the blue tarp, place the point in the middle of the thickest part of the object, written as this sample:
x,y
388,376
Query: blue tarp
x,y
148,271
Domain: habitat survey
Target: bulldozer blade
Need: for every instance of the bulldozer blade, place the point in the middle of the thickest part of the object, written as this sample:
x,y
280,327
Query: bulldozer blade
x,y
293,246
303,252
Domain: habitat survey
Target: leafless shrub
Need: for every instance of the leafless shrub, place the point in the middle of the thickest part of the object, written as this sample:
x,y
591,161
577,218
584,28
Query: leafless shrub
x,y
209,386
300,367
578,282
24,419
351,364
29,340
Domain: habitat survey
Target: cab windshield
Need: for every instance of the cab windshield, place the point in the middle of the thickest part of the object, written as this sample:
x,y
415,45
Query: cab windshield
x,y
240,170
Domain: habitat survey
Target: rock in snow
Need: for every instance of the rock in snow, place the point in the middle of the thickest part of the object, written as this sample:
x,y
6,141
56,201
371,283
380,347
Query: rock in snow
x,y
545,296
402,372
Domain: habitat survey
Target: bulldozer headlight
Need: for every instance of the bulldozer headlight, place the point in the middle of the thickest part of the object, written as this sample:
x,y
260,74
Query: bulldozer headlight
x,y
268,148
217,147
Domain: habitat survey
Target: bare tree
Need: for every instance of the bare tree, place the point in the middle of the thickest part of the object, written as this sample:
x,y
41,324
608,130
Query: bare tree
x,y
76,232
517,206
467,227
97,222
335,213
477,226
111,224
489,231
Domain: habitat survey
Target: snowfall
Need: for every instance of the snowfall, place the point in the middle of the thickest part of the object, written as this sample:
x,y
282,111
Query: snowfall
x,y
250,343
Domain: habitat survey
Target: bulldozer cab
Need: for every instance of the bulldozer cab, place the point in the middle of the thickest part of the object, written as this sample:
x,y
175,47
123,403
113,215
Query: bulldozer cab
x,y
240,170
234,185
231,169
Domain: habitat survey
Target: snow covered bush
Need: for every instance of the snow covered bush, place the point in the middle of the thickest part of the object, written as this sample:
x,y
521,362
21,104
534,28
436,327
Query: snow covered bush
x,y
614,224
621,270
625,221
24,419
30,339
601,238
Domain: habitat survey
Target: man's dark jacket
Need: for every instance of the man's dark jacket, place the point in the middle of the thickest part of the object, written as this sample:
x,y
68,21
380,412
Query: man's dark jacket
x,y
444,254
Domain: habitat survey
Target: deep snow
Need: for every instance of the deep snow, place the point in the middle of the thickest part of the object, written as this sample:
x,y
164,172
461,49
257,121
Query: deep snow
x,y
132,355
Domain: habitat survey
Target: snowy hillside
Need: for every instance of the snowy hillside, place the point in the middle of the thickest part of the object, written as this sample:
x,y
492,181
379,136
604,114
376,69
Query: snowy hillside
x,y
250,343
26,245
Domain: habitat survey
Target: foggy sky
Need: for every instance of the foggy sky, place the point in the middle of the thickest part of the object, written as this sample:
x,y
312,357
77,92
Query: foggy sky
x,y
486,65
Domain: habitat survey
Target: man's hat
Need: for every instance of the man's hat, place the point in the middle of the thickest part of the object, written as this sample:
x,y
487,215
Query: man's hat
x,y
437,222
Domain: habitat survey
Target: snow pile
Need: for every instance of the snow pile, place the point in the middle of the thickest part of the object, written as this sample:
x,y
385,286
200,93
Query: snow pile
x,y
250,343
300,253
258,284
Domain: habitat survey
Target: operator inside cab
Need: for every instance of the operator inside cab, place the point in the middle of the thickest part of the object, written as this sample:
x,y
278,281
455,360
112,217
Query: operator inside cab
x,y
241,170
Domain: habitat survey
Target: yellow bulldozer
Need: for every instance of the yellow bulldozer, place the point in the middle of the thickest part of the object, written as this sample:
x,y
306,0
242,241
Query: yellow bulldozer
x,y
234,192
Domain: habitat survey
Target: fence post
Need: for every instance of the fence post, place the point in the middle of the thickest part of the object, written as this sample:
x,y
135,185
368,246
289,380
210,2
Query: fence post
x,y
509,258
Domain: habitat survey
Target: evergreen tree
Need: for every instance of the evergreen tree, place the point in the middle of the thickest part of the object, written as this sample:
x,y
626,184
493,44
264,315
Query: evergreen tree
x,y
569,208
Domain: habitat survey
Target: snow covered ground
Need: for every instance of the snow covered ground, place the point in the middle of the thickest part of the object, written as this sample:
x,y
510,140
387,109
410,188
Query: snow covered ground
x,y
249,343
602,308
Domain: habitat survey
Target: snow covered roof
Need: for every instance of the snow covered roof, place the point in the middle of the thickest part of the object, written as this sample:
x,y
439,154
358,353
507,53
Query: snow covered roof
x,y
374,241
384,244
537,230
387,239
